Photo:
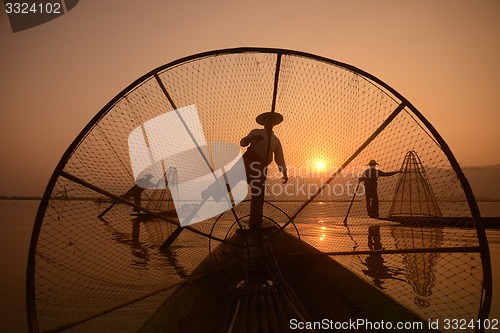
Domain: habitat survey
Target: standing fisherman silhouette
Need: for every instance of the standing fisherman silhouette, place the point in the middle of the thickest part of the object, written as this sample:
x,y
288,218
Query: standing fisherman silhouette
x,y
256,161
136,190
370,177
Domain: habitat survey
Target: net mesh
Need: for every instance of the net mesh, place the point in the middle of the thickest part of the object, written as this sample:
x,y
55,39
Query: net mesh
x,y
96,268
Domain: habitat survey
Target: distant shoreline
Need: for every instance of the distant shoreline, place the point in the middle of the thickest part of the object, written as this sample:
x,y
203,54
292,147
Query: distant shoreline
x,y
19,198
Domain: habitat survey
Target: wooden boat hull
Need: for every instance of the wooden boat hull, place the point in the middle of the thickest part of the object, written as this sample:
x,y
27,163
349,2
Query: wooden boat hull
x,y
273,292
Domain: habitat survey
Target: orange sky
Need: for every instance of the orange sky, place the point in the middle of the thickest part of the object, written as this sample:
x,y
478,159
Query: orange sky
x,y
441,55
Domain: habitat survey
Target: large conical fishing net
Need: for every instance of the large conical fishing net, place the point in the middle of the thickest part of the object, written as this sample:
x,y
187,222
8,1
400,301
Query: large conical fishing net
x,y
414,196
103,261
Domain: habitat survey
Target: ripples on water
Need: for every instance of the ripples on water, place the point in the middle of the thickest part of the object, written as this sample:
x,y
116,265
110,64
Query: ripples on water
x,y
17,219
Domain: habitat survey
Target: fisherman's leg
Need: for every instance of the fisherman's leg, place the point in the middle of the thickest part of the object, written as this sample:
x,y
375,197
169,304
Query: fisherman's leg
x,y
130,193
368,205
257,189
126,195
375,205
137,201
221,186
256,211
371,208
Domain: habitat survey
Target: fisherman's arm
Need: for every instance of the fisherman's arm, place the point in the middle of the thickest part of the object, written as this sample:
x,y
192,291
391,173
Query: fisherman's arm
x,y
253,136
387,174
280,160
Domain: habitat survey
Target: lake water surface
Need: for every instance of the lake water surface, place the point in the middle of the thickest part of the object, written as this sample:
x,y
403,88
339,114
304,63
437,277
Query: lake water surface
x,y
16,223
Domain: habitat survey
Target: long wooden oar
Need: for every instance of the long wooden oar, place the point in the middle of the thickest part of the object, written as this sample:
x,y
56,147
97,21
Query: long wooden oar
x,y
352,200
166,244
106,210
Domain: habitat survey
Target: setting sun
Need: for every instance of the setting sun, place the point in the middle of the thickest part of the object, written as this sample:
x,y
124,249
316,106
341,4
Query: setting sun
x,y
320,165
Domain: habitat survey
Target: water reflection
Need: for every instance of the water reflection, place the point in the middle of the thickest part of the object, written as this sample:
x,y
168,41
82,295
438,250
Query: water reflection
x,y
374,242
141,251
375,263
137,249
172,259
420,267
417,269
156,235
